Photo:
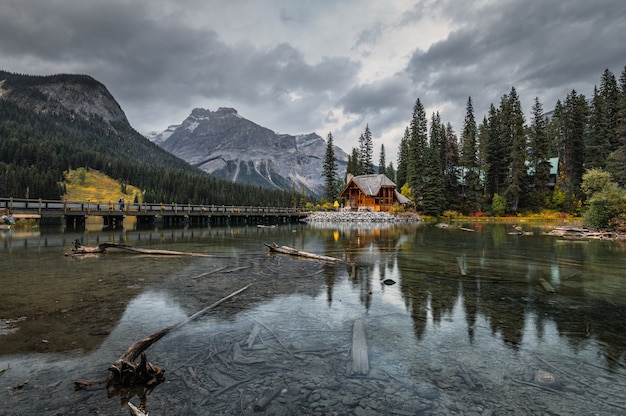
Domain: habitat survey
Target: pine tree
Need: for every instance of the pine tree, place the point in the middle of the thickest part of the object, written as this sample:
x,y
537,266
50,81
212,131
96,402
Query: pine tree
x,y
366,152
353,167
598,135
517,180
330,171
616,163
437,139
621,114
390,172
469,162
610,93
417,147
496,154
403,159
451,170
433,199
539,155
382,164
570,118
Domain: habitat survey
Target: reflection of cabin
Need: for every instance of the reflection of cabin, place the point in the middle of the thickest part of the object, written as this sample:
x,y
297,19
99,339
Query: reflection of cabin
x,y
371,193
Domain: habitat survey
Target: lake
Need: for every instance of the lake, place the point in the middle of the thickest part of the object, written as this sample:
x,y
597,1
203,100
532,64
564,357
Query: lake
x,y
416,319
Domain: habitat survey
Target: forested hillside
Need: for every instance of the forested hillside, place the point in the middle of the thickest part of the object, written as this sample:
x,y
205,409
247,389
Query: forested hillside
x,y
45,131
501,163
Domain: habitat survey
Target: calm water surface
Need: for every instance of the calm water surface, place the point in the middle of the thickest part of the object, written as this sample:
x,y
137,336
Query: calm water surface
x,y
456,322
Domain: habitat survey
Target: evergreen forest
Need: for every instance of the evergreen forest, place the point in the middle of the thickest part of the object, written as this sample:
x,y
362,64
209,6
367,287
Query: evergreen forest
x,y
36,148
571,159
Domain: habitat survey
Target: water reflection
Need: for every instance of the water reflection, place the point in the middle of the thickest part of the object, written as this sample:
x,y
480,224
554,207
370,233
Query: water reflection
x,y
492,276
468,319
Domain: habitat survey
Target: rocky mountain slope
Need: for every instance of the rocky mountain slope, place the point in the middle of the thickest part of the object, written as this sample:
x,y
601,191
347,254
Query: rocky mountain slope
x,y
229,146
72,110
80,95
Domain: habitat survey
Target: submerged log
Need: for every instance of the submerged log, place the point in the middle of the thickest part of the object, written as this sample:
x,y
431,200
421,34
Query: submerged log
x,y
547,286
460,261
360,362
262,403
125,372
293,252
135,411
101,248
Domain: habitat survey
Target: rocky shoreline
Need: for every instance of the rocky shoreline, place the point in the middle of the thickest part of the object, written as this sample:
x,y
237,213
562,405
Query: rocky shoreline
x,y
359,216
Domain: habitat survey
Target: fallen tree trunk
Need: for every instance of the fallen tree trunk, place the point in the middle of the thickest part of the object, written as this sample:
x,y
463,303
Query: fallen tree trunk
x,y
101,248
126,372
293,252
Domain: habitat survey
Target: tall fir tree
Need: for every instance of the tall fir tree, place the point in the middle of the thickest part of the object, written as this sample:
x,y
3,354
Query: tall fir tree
x,y
570,118
353,167
539,155
433,183
437,139
497,151
598,134
366,152
469,162
382,163
329,171
610,93
621,114
451,170
433,198
390,172
483,142
517,180
616,163
417,147
403,159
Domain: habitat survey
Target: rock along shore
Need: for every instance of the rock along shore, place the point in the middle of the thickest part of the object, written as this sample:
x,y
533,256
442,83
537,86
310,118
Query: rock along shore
x,y
359,216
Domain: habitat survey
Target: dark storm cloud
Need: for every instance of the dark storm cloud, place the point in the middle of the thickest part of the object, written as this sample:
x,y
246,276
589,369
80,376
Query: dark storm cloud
x,y
299,67
376,97
150,60
544,49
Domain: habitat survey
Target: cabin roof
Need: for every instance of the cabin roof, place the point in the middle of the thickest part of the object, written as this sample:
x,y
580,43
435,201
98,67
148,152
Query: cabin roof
x,y
371,184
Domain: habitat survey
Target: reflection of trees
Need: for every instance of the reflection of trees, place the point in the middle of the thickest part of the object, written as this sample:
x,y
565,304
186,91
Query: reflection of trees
x,y
371,248
501,285
330,283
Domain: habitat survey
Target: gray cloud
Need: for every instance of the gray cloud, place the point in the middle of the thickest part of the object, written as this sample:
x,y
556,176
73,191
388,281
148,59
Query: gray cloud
x,y
544,49
300,67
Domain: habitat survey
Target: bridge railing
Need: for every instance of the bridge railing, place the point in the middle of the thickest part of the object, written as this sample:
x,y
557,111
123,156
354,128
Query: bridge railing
x,y
17,205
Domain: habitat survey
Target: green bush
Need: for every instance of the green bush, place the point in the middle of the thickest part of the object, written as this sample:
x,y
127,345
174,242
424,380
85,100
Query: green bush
x,y
498,205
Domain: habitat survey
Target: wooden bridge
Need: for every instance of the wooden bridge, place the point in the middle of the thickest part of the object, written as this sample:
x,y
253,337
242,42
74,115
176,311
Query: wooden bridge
x,y
74,213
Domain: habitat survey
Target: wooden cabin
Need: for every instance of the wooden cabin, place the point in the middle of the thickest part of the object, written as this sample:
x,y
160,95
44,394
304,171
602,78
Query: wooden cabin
x,y
371,193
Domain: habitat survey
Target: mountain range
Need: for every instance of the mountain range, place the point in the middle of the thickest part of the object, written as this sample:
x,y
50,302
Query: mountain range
x,y
72,120
52,124
229,146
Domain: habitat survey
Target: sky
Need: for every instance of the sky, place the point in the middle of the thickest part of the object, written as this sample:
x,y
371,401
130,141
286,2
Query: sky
x,y
323,66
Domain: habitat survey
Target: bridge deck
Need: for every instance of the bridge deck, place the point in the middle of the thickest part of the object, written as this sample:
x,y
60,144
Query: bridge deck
x,y
37,208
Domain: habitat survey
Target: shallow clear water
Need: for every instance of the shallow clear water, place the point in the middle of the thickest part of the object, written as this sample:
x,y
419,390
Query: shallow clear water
x,y
456,322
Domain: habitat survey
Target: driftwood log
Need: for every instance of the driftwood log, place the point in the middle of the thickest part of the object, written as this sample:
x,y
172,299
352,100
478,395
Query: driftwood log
x,y
101,248
125,372
274,248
